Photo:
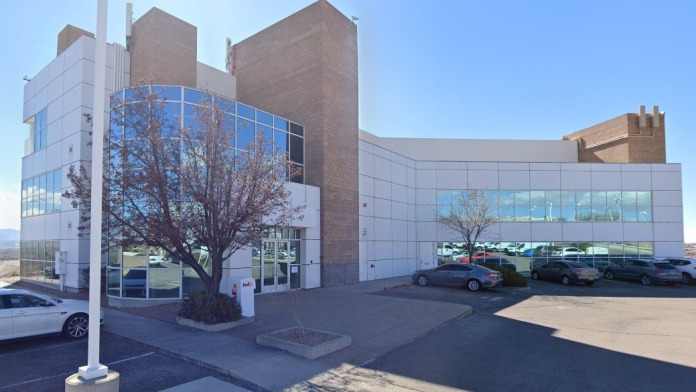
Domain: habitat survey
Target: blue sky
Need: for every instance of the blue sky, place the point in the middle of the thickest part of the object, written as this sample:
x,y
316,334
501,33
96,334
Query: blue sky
x,y
483,69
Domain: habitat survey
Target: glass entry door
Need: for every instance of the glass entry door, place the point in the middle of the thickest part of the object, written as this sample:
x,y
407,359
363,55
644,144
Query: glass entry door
x,y
275,260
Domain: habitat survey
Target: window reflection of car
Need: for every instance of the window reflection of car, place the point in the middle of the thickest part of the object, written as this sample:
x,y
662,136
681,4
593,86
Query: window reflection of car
x,y
497,262
134,282
569,251
466,259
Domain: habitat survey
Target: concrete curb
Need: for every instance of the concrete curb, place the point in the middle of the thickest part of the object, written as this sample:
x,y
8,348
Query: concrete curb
x,y
336,343
214,327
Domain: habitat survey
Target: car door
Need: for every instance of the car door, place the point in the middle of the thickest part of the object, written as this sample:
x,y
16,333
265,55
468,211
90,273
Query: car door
x,y
458,275
33,315
439,275
6,320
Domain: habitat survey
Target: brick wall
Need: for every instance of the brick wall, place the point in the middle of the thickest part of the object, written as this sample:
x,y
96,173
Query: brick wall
x,y
305,67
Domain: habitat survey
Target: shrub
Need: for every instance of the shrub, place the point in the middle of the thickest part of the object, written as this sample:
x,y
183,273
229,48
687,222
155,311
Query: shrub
x,y
210,309
510,278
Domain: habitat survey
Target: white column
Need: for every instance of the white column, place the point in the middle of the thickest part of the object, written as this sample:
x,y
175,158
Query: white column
x,y
94,369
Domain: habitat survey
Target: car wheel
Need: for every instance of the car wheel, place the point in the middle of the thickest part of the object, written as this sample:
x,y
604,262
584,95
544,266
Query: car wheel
x,y
565,280
686,278
535,275
423,281
473,285
76,326
645,280
609,275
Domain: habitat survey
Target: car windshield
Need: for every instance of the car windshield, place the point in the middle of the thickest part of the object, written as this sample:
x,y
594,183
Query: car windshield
x,y
666,266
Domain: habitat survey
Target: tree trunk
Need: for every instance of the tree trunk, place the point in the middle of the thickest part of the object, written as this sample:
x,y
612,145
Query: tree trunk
x,y
216,276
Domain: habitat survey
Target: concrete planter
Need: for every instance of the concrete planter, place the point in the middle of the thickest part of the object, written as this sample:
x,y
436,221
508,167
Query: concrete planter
x,y
214,327
305,342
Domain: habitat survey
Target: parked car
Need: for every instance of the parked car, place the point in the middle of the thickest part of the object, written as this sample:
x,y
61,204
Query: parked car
x,y
687,267
465,259
472,276
569,251
25,313
500,262
566,272
647,272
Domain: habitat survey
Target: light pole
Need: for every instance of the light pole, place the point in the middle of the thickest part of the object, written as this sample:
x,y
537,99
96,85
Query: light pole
x,y
96,376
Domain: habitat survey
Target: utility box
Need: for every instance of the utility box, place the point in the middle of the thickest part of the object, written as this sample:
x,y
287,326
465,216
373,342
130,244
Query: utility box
x,y
243,292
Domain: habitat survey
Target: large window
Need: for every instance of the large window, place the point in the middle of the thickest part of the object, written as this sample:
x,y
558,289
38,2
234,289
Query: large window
x,y
39,133
524,256
42,194
246,122
559,206
37,260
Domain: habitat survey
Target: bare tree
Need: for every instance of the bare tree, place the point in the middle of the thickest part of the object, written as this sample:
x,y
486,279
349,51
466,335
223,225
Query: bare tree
x,y
469,216
186,190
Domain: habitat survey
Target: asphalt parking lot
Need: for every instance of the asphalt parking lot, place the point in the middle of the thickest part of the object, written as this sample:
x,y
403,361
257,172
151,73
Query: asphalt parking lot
x,y
615,336
43,363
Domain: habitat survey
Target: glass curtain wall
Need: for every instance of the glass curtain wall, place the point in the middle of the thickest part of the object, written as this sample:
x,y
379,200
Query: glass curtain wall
x,y
148,272
560,206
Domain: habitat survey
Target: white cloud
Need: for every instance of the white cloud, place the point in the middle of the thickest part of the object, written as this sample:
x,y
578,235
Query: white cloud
x,y
9,210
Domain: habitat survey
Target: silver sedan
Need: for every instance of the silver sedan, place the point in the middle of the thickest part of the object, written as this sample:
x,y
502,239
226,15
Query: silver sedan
x,y
473,277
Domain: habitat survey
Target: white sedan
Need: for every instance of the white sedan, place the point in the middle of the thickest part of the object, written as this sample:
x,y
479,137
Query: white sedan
x,y
24,313
686,266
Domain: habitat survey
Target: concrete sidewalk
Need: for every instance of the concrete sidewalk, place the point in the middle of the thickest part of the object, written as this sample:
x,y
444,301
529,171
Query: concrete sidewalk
x,y
377,325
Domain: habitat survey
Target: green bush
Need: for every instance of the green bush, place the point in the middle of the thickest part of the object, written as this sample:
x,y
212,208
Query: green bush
x,y
510,278
215,309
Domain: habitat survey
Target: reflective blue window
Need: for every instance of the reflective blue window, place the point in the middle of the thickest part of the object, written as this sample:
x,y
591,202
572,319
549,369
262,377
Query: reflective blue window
x,y
264,134
522,206
280,123
630,211
264,118
614,206
281,142
492,202
192,120
583,206
245,111
506,206
553,206
137,93
167,93
195,96
644,206
568,206
225,105
228,127
538,206
171,113
245,133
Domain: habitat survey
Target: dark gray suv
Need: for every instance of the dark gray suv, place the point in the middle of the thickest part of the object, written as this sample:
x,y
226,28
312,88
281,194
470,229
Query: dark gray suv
x,y
647,272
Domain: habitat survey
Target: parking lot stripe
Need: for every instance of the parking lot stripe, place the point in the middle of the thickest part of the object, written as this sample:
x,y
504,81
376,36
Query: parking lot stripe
x,y
65,374
41,348
131,358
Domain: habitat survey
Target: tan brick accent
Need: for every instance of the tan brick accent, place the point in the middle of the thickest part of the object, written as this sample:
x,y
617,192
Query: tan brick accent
x,y
305,67
163,50
623,140
68,35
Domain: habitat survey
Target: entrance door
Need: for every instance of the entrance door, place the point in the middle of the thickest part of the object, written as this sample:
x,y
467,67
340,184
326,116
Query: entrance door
x,y
268,255
283,266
